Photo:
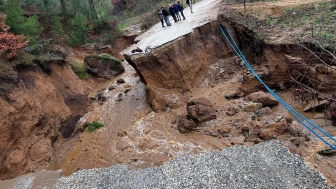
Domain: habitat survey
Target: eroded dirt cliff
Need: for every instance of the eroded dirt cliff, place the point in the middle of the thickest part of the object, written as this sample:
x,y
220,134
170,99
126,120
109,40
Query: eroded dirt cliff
x,y
34,104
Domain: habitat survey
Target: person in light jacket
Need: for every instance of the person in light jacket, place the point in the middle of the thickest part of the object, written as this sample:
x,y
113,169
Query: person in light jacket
x,y
189,3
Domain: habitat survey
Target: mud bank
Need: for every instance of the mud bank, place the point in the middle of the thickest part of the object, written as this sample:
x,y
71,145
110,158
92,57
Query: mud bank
x,y
34,104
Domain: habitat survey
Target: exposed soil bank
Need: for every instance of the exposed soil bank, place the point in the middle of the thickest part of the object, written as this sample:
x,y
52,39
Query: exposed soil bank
x,y
34,105
41,100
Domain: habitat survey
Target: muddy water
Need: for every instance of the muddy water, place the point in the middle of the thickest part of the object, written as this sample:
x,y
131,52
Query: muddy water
x,y
133,134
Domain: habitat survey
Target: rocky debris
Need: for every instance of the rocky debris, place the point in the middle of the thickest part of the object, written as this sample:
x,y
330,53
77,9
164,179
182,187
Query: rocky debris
x,y
104,65
185,125
273,130
278,119
253,128
237,61
232,110
288,116
111,88
238,140
316,106
252,107
127,91
100,96
236,167
164,99
266,99
292,130
201,110
265,111
234,95
120,81
298,140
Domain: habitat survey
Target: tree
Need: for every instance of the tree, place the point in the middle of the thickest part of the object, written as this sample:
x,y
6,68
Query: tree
x,y
29,27
93,9
64,11
78,34
10,43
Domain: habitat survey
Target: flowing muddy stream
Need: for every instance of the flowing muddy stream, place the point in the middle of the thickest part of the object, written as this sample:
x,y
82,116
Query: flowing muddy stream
x,y
136,135
132,133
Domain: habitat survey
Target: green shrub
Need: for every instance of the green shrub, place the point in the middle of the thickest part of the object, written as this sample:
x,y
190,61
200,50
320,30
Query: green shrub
x,y
78,32
80,70
36,49
94,126
29,27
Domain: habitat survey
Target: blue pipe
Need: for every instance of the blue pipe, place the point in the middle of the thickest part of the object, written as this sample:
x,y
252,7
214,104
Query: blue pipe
x,y
276,96
283,103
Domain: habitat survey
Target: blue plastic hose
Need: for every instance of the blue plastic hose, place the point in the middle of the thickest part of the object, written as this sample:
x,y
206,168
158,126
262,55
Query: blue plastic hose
x,y
291,110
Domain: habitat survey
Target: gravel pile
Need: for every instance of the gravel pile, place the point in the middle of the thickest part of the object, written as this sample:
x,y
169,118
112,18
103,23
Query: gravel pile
x,y
267,165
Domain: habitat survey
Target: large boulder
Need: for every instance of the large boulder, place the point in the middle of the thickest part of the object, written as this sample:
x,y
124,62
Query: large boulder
x,y
185,125
201,110
266,99
104,65
163,99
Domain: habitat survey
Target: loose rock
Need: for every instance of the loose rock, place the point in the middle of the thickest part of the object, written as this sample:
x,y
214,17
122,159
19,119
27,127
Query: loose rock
x,y
252,107
201,110
265,111
265,99
104,65
273,130
185,125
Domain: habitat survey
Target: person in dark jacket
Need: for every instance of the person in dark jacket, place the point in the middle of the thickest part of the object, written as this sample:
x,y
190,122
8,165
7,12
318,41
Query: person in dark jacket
x,y
161,17
166,16
177,10
189,3
172,12
180,9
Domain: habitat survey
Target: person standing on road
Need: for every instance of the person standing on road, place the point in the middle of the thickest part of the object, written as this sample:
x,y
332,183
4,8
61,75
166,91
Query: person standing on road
x,y
172,12
177,10
166,16
180,9
161,17
189,3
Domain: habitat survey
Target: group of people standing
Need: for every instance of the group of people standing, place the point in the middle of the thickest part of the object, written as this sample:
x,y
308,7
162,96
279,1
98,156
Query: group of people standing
x,y
175,10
